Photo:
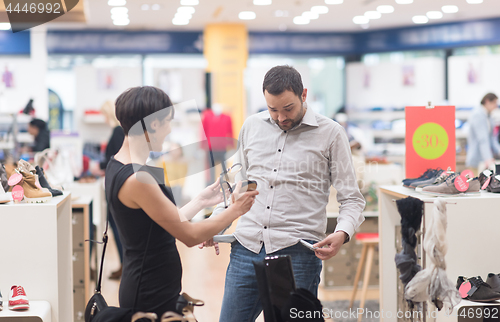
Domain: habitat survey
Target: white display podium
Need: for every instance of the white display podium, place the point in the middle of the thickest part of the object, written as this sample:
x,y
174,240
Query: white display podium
x,y
39,311
36,243
472,236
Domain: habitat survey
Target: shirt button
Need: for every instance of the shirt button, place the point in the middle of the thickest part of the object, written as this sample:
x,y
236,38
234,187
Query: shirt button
x,y
271,187
265,227
279,150
268,207
275,170
284,131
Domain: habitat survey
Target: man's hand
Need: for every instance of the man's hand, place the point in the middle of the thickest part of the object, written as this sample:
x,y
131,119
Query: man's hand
x,y
333,241
210,243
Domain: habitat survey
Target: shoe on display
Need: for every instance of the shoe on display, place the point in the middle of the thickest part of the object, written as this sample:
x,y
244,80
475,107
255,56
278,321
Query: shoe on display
x,y
484,176
1,301
475,289
4,197
18,299
33,194
429,173
45,184
24,166
494,184
493,280
448,187
3,178
438,178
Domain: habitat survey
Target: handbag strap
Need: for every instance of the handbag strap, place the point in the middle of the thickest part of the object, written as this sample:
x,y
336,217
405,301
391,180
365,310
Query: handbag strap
x,y
105,242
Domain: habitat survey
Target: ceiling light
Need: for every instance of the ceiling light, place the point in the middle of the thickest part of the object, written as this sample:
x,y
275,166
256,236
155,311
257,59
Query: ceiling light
x,y
360,20
474,1
117,2
385,9
119,10
420,19
247,15
373,15
434,15
180,22
334,1
262,2
155,7
4,26
183,16
299,20
404,1
450,9
189,2
319,9
121,22
145,6
310,15
189,10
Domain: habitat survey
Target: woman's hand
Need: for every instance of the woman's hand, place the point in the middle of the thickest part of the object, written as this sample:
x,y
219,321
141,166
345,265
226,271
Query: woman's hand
x,y
212,195
210,243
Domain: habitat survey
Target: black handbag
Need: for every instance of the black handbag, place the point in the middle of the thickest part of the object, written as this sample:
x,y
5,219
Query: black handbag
x,y
97,310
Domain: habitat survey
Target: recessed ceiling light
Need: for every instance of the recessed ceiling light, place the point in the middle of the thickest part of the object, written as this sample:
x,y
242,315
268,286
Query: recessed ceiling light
x,y
145,6
183,16
434,15
189,10
189,2
334,1
360,20
310,15
121,22
262,2
420,19
155,7
319,9
373,15
404,1
247,15
117,2
299,20
474,1
180,22
450,9
385,9
4,26
119,10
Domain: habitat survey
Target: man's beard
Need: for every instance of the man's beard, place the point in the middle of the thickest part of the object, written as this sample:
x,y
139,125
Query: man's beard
x,y
293,123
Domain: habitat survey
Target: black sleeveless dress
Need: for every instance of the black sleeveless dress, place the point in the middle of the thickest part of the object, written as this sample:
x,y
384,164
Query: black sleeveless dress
x,y
161,280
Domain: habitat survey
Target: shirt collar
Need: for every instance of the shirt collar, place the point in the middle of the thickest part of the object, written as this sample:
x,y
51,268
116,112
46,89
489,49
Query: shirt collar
x,y
308,119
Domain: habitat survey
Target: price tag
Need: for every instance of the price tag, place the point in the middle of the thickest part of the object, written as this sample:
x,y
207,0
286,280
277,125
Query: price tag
x,y
464,289
461,183
15,178
430,141
17,193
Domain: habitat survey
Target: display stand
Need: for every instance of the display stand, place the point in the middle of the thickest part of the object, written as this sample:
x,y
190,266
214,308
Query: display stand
x,y
472,238
39,312
36,241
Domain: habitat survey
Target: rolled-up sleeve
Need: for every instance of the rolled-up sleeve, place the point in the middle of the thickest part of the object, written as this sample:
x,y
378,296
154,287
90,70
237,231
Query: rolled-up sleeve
x,y
343,179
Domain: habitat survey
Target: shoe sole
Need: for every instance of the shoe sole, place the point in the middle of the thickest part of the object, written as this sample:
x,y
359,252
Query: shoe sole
x,y
37,200
19,307
4,201
450,194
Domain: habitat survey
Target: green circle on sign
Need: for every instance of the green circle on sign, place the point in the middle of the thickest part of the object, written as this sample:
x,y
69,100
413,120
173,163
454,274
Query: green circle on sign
x,y
430,141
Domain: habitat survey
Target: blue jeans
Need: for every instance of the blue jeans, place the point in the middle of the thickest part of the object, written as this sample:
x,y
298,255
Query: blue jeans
x,y
241,301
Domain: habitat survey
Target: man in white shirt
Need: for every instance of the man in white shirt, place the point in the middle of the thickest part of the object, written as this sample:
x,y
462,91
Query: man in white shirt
x,y
295,155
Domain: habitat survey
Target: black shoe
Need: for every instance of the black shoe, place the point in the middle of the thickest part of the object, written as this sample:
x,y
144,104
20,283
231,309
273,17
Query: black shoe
x,y
493,280
427,175
427,182
45,184
480,291
483,177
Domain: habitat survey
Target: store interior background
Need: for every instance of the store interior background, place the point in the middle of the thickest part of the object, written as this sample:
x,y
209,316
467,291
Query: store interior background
x,y
457,65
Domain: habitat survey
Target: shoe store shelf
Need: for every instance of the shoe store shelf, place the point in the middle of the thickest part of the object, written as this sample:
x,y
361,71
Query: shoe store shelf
x,y
36,241
472,238
38,311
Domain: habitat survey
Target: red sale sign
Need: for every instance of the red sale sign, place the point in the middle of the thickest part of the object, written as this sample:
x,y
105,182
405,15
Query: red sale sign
x,y
430,139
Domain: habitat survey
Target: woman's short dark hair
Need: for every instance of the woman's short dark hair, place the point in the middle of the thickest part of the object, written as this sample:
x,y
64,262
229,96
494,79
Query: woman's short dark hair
x,y
137,103
488,98
283,78
40,124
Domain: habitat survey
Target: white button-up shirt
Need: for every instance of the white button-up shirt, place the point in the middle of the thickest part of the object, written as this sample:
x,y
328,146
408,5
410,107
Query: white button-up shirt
x,y
294,170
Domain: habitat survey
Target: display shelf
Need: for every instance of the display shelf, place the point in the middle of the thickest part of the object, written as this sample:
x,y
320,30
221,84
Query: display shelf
x,y
39,311
472,234
36,252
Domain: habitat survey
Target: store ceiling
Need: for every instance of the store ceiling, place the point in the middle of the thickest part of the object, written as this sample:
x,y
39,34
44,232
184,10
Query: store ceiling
x,y
339,18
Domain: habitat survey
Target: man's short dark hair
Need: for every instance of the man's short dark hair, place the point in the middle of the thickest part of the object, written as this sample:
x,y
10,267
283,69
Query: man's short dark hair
x,y
40,124
137,103
488,98
283,78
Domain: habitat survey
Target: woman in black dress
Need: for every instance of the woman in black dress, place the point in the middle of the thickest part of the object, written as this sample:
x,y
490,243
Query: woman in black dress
x,y
141,205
